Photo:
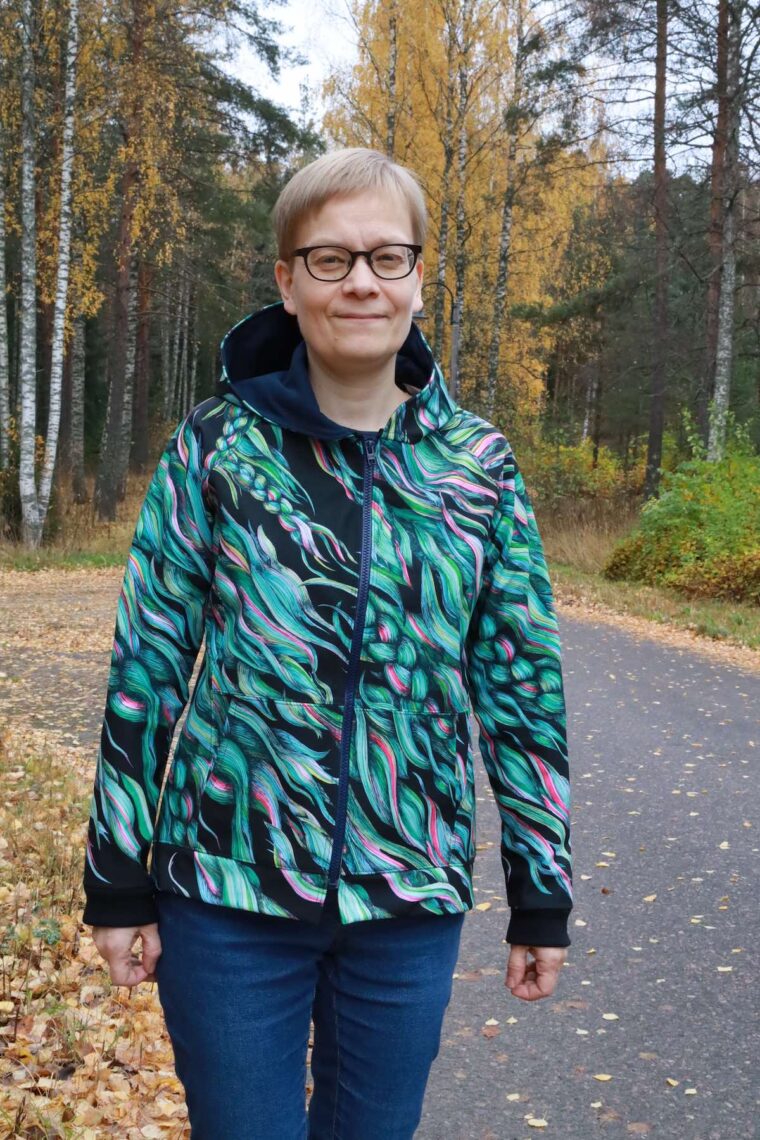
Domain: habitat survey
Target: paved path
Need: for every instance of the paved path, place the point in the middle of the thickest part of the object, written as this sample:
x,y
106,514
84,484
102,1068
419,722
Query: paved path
x,y
665,747
665,750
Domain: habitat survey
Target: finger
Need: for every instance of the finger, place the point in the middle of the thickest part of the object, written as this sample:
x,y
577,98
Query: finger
x,y
129,974
536,986
516,966
151,950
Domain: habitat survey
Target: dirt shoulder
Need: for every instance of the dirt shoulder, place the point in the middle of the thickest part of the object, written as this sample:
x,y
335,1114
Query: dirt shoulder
x,y
56,631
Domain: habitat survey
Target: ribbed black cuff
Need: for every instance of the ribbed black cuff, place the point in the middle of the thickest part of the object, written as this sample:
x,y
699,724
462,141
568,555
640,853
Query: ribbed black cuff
x,y
119,908
539,927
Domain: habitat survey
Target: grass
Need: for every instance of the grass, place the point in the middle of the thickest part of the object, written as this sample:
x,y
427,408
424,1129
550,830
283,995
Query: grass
x,y
79,540
577,551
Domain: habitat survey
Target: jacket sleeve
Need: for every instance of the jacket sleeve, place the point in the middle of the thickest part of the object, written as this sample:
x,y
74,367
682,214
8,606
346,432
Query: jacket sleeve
x,y
516,690
159,629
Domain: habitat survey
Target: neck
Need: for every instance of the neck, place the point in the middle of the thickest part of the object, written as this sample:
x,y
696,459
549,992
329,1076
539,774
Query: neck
x,y
364,402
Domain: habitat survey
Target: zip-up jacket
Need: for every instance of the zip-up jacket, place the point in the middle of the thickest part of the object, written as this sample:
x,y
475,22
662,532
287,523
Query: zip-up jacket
x,y
358,595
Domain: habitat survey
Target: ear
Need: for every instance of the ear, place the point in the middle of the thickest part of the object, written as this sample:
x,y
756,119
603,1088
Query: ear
x,y
283,275
418,272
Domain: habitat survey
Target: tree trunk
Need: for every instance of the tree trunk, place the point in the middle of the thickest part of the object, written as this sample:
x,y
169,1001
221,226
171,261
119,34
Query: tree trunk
x,y
76,455
660,346
725,340
505,235
141,420
176,344
715,232
443,229
114,457
391,114
64,264
182,371
125,438
31,526
5,403
166,353
460,254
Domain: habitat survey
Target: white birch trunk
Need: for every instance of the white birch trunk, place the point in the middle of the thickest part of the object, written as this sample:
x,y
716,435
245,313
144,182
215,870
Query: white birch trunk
x,y
125,435
391,115
716,444
194,373
176,345
460,260
5,402
64,264
183,386
166,353
78,484
31,527
193,335
503,264
443,230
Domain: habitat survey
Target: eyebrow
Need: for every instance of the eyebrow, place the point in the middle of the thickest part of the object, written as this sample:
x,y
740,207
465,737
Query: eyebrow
x,y
374,245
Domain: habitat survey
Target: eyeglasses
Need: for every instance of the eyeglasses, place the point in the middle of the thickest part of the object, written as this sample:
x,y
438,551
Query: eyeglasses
x,y
334,262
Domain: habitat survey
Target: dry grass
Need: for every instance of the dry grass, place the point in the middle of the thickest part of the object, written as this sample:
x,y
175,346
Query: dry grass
x,y
585,541
78,538
578,549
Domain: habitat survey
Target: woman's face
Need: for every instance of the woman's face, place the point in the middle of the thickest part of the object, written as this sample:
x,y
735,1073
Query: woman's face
x,y
360,322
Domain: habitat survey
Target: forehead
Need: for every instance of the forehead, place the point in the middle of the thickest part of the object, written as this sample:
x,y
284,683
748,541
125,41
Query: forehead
x,y
371,218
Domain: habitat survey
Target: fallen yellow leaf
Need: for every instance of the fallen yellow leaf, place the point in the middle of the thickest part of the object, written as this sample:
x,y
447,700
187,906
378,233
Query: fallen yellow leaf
x,y
537,1122
602,1077
483,906
671,1082
649,898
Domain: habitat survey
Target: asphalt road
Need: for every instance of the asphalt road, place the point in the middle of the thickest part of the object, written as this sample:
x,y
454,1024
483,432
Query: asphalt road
x,y
665,750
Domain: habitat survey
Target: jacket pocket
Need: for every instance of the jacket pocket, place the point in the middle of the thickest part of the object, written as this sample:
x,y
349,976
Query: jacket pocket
x,y
409,782
269,798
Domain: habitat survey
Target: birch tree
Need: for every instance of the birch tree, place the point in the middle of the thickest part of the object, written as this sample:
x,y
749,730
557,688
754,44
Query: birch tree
x,y
31,524
660,338
63,269
5,406
724,342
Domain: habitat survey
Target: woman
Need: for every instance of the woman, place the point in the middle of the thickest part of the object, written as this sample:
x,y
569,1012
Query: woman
x,y
362,559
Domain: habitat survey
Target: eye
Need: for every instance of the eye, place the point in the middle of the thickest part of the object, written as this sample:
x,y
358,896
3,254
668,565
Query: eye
x,y
388,257
329,258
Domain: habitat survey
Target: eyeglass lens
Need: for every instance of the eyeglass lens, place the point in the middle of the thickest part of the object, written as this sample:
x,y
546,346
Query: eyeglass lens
x,y
330,263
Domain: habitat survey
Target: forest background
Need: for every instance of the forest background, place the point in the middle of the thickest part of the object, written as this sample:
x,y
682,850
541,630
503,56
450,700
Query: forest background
x,y
593,266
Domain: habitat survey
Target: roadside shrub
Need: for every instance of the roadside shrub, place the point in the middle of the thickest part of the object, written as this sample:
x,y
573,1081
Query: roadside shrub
x,y
564,482
702,536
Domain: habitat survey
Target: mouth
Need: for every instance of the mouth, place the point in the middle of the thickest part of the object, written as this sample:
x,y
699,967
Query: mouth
x,y
360,316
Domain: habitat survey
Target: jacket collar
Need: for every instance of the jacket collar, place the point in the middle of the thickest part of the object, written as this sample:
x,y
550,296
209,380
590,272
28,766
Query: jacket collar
x,y
265,367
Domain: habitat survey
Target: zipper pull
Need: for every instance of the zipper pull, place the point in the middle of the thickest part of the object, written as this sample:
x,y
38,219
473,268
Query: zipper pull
x,y
370,443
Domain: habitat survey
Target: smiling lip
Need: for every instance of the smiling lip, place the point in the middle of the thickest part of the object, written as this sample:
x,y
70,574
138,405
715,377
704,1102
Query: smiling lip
x,y
361,316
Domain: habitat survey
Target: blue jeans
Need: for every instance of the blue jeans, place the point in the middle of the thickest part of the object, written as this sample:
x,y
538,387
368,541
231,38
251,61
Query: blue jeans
x,y
238,991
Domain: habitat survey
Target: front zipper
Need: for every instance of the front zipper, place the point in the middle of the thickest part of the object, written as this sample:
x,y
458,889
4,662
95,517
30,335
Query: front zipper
x,y
369,445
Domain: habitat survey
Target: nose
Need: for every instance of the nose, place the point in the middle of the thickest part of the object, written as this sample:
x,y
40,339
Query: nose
x,y
361,279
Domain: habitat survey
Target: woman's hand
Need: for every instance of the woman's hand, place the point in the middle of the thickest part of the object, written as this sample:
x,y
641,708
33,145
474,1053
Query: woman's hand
x,y
537,979
114,943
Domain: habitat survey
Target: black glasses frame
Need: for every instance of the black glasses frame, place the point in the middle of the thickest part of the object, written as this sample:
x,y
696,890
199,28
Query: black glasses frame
x,y
305,250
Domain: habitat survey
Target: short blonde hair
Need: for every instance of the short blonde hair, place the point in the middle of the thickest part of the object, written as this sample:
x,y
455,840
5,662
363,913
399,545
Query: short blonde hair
x,y
341,174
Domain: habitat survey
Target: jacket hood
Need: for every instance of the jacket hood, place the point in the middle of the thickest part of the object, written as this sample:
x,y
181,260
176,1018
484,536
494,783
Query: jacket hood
x,y
265,367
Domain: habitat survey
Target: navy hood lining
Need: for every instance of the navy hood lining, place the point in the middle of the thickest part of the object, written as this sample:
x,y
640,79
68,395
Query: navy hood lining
x,y
265,365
